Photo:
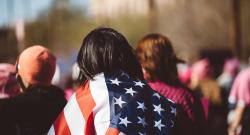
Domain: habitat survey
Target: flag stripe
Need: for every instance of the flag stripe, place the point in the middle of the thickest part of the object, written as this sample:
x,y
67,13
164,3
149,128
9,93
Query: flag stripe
x,y
84,96
90,128
101,111
51,130
60,126
74,117
112,131
90,109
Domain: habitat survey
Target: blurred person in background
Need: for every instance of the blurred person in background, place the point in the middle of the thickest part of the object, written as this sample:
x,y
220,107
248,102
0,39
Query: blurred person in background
x,y
239,117
69,87
72,83
184,73
230,70
8,83
159,65
213,97
34,110
113,98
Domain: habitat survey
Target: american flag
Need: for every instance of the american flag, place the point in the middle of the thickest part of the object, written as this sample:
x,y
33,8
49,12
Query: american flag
x,y
115,104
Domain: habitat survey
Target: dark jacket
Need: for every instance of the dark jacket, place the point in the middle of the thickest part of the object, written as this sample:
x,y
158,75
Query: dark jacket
x,y
32,112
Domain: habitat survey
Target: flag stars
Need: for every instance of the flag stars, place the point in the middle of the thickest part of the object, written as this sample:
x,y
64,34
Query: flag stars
x,y
158,109
125,74
157,95
172,122
141,133
130,91
116,81
142,121
173,110
141,106
159,125
124,121
118,101
139,83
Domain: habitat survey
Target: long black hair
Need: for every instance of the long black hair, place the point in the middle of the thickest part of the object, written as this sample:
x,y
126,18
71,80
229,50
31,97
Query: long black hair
x,y
106,50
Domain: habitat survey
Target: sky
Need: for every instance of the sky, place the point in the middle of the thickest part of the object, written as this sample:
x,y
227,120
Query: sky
x,y
13,10
28,10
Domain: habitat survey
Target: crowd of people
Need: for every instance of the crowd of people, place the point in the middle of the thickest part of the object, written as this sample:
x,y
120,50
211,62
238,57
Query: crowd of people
x,y
122,90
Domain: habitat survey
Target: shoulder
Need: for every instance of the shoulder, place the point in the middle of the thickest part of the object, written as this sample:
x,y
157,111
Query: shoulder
x,y
56,89
244,74
178,93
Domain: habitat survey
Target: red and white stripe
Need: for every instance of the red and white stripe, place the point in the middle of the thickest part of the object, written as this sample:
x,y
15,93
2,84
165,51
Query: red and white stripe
x,y
87,112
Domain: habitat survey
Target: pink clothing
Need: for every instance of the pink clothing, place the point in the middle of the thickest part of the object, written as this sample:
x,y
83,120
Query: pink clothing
x,y
8,84
185,75
68,93
240,92
178,95
5,71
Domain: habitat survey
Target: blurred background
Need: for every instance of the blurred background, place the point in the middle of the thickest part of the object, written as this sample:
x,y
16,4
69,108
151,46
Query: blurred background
x,y
197,28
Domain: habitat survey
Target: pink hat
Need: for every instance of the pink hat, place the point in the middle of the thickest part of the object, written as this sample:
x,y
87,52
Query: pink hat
x,y
231,66
36,65
201,69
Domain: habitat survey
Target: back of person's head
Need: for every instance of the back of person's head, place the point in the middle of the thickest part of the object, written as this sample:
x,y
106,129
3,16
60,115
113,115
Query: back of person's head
x,y
106,50
202,69
231,66
36,65
157,57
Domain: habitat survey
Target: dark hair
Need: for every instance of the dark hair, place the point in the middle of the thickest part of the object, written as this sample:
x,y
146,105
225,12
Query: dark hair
x,y
157,57
106,50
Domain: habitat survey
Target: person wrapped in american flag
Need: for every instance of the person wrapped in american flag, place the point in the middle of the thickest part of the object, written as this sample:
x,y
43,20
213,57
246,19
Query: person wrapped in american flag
x,y
113,98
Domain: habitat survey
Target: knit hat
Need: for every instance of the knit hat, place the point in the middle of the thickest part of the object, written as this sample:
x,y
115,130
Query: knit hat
x,y
36,65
